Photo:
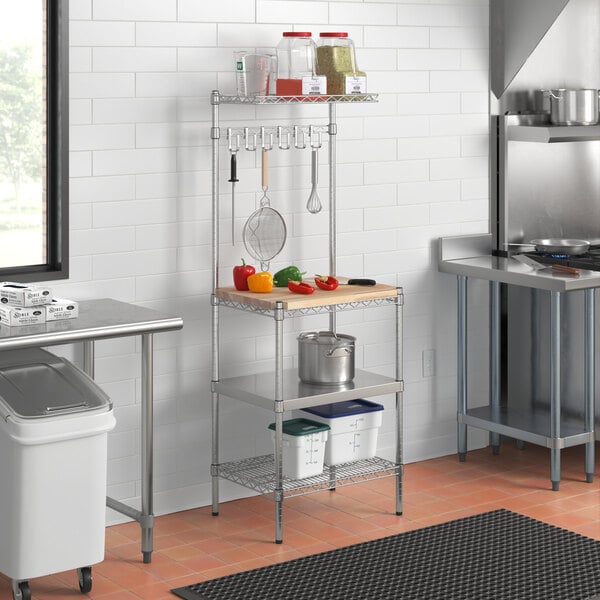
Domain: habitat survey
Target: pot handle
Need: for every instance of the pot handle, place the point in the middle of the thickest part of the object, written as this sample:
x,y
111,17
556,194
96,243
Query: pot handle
x,y
553,95
336,352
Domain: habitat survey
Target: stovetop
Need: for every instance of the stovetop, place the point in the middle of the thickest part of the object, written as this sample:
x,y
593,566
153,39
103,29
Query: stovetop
x,y
590,260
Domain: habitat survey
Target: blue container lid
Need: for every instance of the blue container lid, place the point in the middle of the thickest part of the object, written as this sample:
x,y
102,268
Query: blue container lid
x,y
344,409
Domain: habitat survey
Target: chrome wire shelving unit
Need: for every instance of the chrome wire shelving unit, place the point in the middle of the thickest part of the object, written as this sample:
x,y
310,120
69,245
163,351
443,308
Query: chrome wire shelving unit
x,y
258,474
325,99
281,390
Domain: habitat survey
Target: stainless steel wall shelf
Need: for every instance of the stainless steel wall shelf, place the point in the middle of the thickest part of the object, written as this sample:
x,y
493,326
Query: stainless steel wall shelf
x,y
281,389
551,134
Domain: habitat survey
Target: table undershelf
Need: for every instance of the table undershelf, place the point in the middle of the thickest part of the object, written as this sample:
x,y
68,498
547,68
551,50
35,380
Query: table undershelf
x,y
533,426
258,474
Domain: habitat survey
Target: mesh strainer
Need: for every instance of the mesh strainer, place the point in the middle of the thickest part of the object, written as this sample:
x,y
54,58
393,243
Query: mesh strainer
x,y
265,231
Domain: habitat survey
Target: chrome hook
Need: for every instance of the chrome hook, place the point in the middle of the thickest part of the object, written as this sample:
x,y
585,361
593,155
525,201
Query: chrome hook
x,y
284,138
299,138
251,139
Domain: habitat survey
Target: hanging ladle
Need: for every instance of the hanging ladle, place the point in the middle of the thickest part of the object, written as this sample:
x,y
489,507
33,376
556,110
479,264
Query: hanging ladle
x,y
314,202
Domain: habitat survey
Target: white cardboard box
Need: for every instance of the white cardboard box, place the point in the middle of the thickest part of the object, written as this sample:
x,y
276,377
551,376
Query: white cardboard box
x,y
19,294
19,315
61,308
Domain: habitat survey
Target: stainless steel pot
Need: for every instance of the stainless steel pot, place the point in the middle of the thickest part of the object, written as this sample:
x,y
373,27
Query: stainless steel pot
x,y
325,357
573,107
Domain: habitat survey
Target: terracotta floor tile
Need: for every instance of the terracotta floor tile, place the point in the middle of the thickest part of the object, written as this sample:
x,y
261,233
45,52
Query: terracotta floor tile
x,y
193,546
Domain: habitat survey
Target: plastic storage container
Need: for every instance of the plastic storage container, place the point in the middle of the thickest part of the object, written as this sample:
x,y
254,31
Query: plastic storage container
x,y
295,59
303,447
336,59
354,427
54,422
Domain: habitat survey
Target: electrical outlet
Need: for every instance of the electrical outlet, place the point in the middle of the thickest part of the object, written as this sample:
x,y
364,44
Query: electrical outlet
x,y
428,363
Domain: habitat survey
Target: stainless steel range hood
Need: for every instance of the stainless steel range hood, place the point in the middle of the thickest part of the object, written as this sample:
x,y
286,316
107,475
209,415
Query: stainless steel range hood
x,y
541,190
516,28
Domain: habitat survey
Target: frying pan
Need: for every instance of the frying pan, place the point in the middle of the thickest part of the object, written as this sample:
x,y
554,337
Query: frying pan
x,y
572,247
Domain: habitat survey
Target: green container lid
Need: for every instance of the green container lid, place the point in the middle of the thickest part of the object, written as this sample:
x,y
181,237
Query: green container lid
x,y
301,427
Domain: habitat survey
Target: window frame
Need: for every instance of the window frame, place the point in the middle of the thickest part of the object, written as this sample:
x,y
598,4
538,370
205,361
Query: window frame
x,y
57,153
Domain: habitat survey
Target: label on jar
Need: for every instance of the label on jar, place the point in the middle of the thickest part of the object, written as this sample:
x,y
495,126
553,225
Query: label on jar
x,y
314,86
356,85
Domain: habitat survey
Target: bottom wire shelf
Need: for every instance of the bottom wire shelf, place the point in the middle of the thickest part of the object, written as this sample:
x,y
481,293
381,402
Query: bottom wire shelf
x,y
257,473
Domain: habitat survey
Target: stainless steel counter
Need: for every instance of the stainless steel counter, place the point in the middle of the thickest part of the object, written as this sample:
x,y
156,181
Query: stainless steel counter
x,y
462,256
509,270
103,319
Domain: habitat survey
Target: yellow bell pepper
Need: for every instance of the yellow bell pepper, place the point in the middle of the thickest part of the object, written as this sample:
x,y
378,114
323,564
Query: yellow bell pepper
x,y
261,282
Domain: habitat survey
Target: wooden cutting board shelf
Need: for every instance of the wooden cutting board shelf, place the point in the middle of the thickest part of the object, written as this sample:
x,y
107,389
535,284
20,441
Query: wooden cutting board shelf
x,y
344,294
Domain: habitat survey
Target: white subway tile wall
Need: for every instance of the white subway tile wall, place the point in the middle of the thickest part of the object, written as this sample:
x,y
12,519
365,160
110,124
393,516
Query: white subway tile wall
x,y
412,168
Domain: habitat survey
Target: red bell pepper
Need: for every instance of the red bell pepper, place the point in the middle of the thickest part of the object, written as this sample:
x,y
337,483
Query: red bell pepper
x,y
326,282
300,287
241,274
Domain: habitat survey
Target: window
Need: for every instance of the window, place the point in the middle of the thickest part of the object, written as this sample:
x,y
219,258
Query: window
x,y
34,140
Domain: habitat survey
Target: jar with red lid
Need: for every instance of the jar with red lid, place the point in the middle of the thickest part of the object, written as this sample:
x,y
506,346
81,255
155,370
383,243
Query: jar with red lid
x,y
336,59
295,59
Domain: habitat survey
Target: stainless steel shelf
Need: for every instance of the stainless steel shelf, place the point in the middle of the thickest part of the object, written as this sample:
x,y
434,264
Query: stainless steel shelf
x,y
551,134
257,473
259,389
359,98
533,427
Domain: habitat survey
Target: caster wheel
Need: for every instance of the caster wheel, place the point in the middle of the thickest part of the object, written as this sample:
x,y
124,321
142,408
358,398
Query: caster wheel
x,y
22,591
589,477
147,557
84,576
555,486
462,457
495,450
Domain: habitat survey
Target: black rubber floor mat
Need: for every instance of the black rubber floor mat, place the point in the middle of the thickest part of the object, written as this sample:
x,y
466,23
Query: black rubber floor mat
x,y
499,555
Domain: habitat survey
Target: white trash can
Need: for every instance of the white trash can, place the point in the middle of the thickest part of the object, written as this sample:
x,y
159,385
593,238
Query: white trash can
x,y
54,423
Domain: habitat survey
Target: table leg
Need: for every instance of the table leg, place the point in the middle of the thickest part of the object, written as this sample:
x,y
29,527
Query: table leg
x,y
462,366
399,398
590,380
495,361
88,358
278,491
147,446
555,388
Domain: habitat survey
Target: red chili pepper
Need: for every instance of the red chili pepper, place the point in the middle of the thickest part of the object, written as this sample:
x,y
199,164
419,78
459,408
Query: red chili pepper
x,y
326,282
241,274
300,287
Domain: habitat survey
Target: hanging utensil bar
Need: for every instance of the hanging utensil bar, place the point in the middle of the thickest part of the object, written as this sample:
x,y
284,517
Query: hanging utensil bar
x,y
284,136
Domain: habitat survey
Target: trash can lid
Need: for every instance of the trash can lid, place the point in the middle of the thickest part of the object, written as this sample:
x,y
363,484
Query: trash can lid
x,y
35,383
298,427
346,408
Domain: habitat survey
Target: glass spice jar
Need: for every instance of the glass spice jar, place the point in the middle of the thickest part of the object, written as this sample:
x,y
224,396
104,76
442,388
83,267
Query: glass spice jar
x,y
336,59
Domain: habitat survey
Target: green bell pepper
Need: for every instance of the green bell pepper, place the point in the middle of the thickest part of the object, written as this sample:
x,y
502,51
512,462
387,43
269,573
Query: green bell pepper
x,y
281,278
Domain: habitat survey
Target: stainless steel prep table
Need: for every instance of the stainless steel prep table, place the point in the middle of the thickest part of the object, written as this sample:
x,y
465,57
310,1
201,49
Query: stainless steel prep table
x,y
530,427
103,319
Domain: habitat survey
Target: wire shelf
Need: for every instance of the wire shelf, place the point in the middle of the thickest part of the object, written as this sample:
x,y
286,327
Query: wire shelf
x,y
310,310
357,99
258,474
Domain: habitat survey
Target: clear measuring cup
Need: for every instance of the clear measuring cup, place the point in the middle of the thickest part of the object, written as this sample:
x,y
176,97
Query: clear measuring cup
x,y
253,73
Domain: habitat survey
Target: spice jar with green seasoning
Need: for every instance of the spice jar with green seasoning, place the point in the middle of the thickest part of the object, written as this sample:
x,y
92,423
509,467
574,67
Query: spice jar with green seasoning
x,y
336,59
